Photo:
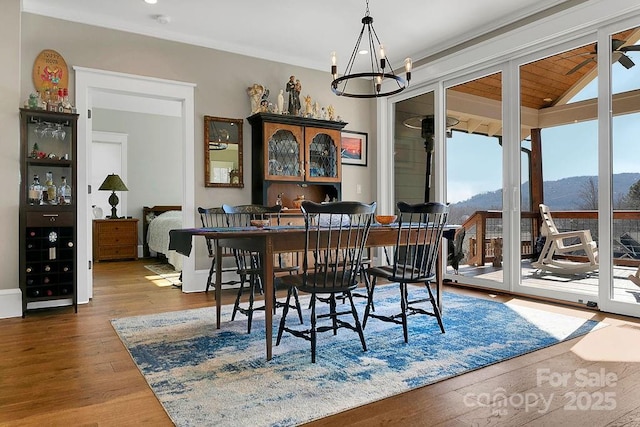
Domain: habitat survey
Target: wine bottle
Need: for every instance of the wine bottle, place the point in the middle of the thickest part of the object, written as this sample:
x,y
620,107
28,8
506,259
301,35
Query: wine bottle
x,y
47,267
29,269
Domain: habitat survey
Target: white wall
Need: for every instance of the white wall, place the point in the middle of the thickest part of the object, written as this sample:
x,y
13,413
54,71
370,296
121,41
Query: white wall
x,y
153,140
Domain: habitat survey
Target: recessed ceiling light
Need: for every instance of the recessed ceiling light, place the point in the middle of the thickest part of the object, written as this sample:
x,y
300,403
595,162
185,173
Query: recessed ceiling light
x,y
162,19
151,1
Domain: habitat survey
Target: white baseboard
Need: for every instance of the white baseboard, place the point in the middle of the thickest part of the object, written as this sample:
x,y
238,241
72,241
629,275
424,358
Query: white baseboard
x,y
10,303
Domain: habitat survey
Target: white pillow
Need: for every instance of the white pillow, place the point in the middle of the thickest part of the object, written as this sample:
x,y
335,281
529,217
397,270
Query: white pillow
x,y
333,220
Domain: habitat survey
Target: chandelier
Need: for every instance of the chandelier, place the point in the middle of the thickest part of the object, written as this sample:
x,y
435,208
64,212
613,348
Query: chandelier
x,y
378,62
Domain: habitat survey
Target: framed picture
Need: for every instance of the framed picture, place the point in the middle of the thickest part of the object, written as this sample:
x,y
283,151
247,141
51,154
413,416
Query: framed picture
x,y
354,148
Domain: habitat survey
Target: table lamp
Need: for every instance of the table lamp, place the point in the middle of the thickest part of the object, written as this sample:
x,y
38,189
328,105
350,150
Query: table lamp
x,y
114,183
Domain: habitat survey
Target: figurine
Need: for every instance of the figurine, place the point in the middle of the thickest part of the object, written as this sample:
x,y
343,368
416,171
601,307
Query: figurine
x,y
332,112
308,106
264,101
255,93
294,87
280,104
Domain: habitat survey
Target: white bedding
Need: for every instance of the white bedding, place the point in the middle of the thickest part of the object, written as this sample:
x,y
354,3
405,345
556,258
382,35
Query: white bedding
x,y
158,236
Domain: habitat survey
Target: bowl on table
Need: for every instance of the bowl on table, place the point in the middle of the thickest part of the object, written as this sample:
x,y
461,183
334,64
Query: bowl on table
x,y
386,219
260,223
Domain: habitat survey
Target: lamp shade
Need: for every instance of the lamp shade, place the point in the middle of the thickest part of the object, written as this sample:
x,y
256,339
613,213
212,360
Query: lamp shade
x,y
114,183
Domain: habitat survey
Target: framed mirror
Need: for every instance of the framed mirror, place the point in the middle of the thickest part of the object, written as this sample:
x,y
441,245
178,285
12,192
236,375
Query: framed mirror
x,y
223,152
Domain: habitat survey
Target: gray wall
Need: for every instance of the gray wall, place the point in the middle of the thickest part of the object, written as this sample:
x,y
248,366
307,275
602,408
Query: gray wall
x,y
221,78
10,159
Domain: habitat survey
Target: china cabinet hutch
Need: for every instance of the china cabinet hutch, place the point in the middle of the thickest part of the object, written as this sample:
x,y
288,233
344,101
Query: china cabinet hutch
x,y
294,157
48,220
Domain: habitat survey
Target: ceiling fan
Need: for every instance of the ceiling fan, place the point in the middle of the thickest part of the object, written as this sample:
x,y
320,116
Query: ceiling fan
x,y
619,55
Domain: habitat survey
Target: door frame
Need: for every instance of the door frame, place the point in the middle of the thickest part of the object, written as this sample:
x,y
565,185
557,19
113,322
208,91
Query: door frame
x,y
88,82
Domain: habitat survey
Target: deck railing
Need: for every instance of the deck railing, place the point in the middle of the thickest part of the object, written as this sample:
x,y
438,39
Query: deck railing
x,y
483,233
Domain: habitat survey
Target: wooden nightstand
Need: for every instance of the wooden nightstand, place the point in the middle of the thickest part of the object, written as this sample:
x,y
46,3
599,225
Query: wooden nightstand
x,y
115,239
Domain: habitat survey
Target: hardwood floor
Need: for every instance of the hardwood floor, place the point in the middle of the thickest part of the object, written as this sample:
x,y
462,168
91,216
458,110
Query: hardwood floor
x,y
61,368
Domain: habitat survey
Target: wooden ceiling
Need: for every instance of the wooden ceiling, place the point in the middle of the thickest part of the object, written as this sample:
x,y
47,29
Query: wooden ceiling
x,y
546,82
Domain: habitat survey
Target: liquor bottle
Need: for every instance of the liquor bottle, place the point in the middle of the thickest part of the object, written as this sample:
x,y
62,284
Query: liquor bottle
x,y
64,192
60,100
65,101
46,99
35,191
50,189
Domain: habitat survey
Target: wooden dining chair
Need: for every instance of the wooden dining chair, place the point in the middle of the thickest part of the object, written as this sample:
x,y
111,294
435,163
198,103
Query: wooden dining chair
x,y
215,218
249,264
335,238
413,262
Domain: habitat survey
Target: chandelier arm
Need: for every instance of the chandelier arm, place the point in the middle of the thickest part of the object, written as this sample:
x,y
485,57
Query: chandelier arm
x,y
375,70
386,59
352,60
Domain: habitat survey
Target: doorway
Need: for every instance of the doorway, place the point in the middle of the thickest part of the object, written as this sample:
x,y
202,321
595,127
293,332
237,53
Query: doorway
x,y
91,83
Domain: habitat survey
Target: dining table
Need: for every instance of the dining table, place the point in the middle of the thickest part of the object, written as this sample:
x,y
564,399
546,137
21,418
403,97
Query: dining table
x,y
271,240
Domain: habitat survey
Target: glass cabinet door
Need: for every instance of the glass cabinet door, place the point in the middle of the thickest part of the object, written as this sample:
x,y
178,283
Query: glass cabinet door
x,y
323,154
284,159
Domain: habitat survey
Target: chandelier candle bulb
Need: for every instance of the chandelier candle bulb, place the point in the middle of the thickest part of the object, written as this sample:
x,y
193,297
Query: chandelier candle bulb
x,y
382,56
334,65
408,65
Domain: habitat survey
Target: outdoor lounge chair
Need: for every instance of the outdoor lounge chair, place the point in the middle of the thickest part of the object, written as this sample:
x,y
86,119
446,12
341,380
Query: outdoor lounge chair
x,y
564,243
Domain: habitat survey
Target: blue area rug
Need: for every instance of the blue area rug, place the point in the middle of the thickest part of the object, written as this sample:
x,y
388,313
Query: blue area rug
x,y
209,377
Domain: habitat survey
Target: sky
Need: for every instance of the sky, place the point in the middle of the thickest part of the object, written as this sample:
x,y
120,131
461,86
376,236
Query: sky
x,y
474,163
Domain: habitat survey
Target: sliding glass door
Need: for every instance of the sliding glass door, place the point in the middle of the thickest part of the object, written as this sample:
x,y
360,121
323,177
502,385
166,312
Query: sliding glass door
x,y
559,170
474,179
621,286
537,157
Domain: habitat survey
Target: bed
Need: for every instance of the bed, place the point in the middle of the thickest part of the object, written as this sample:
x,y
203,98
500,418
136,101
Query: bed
x,y
157,222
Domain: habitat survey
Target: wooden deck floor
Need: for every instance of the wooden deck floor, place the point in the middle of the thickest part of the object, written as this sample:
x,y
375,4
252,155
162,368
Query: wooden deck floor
x,y
60,369
624,289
